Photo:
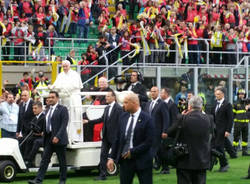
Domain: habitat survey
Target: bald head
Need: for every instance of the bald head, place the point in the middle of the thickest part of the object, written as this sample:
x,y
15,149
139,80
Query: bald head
x,y
154,92
131,103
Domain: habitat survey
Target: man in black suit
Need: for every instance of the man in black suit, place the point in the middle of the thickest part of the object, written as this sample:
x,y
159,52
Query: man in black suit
x,y
195,133
173,112
158,110
137,87
172,107
133,143
223,116
25,115
55,138
110,119
34,142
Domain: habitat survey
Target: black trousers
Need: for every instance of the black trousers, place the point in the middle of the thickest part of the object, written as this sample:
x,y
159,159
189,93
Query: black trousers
x,y
104,156
240,129
128,170
229,148
29,145
222,159
37,143
60,150
185,176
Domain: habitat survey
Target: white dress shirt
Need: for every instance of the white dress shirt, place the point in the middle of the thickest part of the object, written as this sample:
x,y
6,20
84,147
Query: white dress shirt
x,y
111,107
52,108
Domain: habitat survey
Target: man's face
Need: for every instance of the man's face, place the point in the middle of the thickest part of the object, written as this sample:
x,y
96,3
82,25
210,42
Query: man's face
x,y
241,96
25,96
36,109
163,94
133,77
128,105
218,94
102,83
52,99
109,98
154,92
10,99
189,96
66,67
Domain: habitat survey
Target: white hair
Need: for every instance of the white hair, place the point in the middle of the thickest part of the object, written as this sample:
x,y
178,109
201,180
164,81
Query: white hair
x,y
66,62
196,102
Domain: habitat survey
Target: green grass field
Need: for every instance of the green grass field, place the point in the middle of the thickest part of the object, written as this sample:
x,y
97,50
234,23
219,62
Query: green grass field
x,y
238,169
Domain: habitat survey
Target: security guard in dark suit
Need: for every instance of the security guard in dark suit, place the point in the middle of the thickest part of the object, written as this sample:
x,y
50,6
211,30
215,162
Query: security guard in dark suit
x,y
223,116
241,121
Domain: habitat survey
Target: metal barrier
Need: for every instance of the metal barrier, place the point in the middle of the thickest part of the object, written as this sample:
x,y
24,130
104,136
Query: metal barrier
x,y
62,46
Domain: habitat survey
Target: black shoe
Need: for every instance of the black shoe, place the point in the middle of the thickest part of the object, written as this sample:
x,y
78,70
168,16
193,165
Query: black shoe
x,y
246,177
34,182
100,178
224,168
62,182
165,171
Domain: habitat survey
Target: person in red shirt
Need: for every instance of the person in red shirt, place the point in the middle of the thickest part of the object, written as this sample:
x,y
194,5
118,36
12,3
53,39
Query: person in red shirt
x,y
103,21
40,16
85,71
125,47
6,34
27,7
74,18
192,45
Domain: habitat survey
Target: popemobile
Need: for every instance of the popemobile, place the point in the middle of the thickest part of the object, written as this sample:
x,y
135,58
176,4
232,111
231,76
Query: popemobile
x,y
80,155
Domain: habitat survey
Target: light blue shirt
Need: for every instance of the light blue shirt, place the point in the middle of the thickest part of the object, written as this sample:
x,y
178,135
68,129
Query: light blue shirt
x,y
9,116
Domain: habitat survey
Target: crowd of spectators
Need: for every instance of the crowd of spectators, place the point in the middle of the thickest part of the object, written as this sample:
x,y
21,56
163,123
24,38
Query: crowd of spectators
x,y
156,25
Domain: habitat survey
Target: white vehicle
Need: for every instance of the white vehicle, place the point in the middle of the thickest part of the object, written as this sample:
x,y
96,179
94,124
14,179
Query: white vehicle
x,y
79,155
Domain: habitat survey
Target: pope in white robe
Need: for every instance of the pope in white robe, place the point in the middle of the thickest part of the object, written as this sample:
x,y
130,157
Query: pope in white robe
x,y
68,83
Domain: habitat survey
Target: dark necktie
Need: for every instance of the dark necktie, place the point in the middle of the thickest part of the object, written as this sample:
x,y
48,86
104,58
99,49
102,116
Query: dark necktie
x,y
151,107
24,106
128,136
217,106
107,113
49,121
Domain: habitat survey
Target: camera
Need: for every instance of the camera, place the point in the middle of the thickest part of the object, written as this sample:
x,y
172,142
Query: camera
x,y
181,150
120,79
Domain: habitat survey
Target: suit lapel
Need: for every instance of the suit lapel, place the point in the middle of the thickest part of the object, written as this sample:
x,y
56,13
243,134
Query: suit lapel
x,y
138,123
156,105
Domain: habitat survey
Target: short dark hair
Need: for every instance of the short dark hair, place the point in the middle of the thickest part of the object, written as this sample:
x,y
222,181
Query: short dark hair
x,y
112,92
167,90
220,88
54,92
39,104
25,73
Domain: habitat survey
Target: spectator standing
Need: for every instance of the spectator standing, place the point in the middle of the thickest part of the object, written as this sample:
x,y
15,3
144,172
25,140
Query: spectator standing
x,y
9,117
84,20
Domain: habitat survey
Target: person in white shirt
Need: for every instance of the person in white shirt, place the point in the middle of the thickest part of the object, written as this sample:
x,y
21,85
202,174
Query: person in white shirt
x,y
68,83
8,117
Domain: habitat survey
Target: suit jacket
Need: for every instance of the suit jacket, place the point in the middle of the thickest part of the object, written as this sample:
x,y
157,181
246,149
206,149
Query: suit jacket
x,y
142,140
110,123
223,121
140,90
173,111
160,116
195,132
40,122
24,118
59,122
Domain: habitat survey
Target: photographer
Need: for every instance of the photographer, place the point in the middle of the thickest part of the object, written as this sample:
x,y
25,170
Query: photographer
x,y
195,133
134,83
241,120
